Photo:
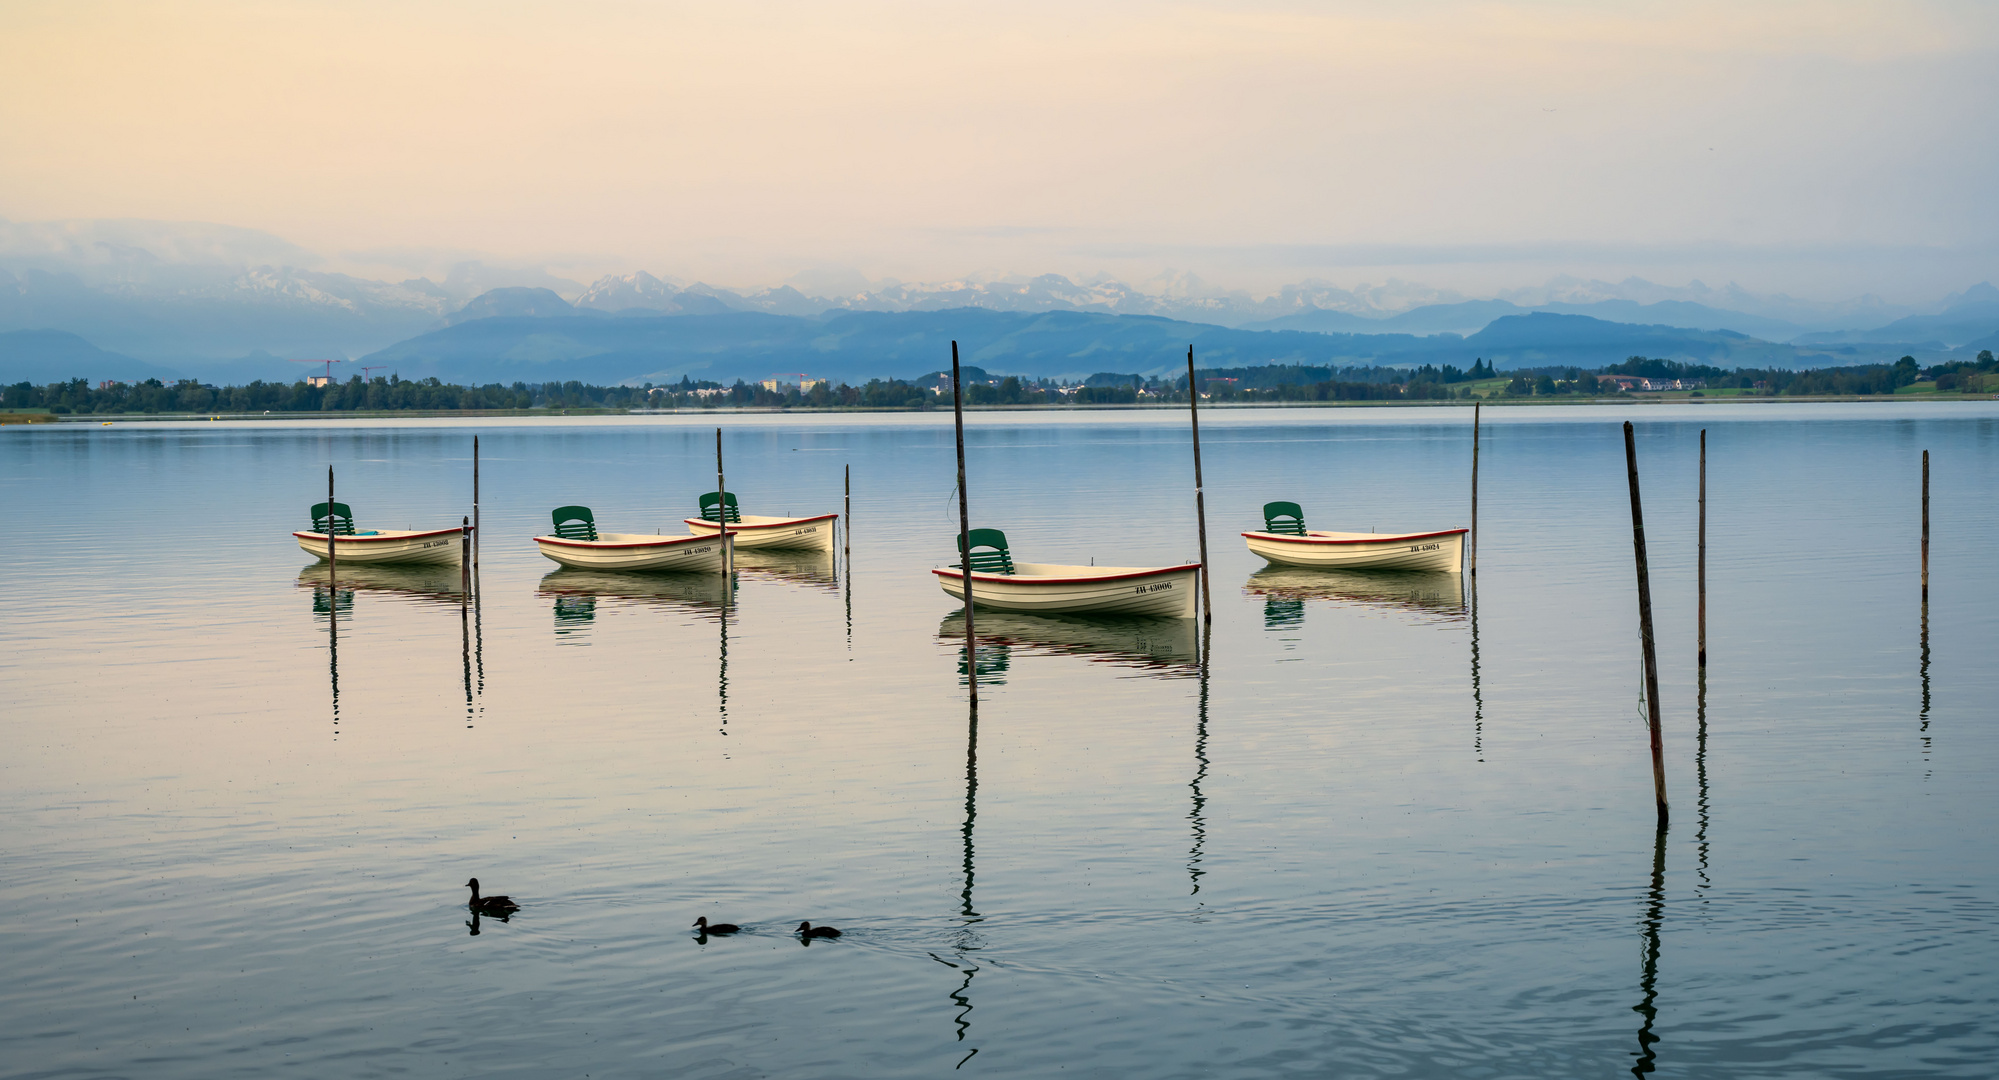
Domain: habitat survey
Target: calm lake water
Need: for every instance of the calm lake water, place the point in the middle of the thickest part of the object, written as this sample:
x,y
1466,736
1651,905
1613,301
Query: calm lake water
x,y
1392,833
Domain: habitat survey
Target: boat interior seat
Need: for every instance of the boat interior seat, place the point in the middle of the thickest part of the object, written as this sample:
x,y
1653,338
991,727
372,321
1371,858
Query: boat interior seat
x,y
989,552
728,502
343,519
574,523
1284,518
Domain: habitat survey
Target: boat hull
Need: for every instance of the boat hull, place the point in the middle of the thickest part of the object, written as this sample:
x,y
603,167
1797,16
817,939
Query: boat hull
x,y
1042,588
1434,551
389,546
806,533
635,551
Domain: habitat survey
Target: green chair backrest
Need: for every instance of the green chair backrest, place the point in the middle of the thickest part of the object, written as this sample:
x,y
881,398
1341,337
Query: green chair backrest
x,y
1287,518
343,519
574,523
995,559
728,499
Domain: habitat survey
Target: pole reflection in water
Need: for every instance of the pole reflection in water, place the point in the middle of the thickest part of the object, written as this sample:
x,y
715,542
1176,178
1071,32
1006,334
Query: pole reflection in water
x,y
472,650
1648,982
1700,773
1477,693
966,939
722,665
330,601
1923,717
1197,815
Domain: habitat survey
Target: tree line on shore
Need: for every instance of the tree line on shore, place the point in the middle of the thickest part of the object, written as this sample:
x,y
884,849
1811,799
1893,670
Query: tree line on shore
x,y
1273,383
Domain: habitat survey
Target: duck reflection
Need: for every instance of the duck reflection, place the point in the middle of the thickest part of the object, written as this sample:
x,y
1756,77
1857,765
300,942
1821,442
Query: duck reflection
x,y
1433,597
810,568
1159,648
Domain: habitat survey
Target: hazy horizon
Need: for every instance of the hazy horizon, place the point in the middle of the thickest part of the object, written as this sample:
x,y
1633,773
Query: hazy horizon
x,y
1824,151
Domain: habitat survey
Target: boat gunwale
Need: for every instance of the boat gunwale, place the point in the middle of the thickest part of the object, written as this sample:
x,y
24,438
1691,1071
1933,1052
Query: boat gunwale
x,y
780,523
1381,538
1040,579
393,534
615,545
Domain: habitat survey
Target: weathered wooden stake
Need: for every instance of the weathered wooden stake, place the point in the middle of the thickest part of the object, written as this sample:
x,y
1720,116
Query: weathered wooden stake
x,y
1926,526
1701,574
964,531
722,512
1200,499
1645,639
331,566
847,518
1473,557
475,503
464,557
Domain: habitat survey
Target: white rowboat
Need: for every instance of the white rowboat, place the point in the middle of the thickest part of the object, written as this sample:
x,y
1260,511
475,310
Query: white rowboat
x,y
388,545
1044,588
753,531
633,551
1363,551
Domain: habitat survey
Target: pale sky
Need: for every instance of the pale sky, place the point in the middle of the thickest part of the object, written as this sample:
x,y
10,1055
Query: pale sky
x,y
1821,148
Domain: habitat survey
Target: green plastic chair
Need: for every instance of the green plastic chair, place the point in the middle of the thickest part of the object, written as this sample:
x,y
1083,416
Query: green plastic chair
x,y
343,519
1284,518
995,559
574,523
728,500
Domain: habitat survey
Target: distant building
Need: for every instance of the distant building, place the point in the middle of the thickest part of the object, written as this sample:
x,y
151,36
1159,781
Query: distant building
x,y
319,380
1641,383
109,384
778,384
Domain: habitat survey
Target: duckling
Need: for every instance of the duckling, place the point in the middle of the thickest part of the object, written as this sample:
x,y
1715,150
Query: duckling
x,y
490,905
806,929
702,924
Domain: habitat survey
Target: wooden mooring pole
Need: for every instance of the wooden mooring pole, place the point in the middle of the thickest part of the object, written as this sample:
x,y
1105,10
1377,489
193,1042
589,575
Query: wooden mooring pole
x,y
475,506
847,518
1645,639
1200,499
1701,573
1926,526
1473,557
964,533
331,566
722,513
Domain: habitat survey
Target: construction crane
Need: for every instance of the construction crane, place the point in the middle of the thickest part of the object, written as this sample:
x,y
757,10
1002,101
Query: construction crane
x,y
329,367
366,368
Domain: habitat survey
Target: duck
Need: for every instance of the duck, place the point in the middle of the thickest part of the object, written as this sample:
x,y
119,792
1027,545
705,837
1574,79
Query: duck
x,y
490,905
806,929
702,924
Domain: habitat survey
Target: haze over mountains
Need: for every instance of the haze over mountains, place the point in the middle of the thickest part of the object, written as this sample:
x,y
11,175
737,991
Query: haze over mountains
x,y
158,299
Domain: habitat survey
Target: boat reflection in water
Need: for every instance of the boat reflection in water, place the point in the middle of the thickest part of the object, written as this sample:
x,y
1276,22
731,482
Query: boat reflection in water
x,y
810,568
576,593
1157,647
1430,597
427,585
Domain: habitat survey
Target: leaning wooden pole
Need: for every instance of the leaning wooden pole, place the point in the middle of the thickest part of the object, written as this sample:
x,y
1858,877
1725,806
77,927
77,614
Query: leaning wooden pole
x,y
722,510
1645,639
1472,557
1926,526
964,532
331,566
1200,499
1701,573
847,519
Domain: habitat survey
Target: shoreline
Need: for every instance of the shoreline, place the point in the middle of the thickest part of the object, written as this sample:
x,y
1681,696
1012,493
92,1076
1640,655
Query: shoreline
x,y
44,419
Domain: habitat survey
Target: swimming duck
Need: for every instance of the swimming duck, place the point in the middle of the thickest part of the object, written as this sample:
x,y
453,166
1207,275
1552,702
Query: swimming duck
x,y
806,929
702,924
490,905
